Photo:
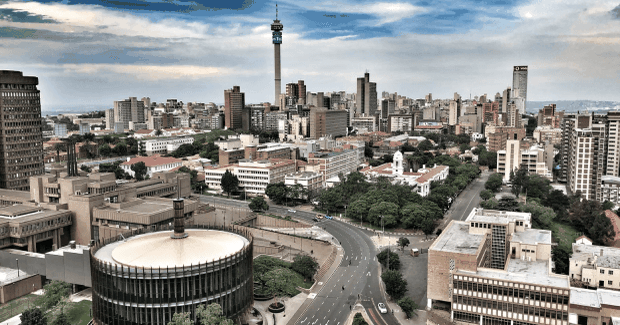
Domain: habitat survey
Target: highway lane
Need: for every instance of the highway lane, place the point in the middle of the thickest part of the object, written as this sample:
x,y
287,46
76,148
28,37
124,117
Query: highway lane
x,y
350,283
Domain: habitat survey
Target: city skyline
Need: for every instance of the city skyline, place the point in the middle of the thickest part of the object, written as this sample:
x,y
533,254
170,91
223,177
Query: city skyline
x,y
96,52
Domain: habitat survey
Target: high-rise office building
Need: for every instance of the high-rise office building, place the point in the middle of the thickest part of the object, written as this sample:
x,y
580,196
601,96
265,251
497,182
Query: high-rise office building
x,y
129,110
302,92
366,99
276,28
292,90
21,146
325,122
234,102
109,119
519,82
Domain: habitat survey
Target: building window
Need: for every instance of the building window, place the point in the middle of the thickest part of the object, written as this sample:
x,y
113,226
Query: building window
x,y
610,282
602,271
610,272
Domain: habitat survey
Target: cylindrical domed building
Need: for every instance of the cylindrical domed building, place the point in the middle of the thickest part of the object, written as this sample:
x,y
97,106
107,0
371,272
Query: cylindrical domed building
x,y
146,277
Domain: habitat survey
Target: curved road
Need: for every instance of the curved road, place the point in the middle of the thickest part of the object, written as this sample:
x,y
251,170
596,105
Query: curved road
x,y
331,306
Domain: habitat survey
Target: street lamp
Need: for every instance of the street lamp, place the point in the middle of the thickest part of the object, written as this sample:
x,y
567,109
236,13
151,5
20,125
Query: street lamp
x,y
388,251
17,261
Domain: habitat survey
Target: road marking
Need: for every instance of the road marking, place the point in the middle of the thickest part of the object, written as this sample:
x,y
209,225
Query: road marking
x,y
304,319
368,273
312,296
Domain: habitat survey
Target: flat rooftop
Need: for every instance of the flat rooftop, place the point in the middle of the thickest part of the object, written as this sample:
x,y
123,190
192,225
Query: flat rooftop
x,y
594,298
532,237
531,272
158,249
457,239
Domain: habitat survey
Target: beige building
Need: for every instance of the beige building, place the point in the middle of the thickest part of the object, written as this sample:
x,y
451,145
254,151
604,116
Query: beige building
x,y
33,228
595,266
333,163
128,110
311,183
254,176
546,133
494,269
594,307
325,122
454,113
537,159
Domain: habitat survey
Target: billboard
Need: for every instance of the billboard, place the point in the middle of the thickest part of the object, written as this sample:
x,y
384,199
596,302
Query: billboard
x,y
520,67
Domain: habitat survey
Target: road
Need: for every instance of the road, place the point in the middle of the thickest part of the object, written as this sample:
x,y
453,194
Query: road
x,y
331,304
467,200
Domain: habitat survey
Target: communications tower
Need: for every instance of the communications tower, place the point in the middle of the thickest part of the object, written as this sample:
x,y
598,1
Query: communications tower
x,y
276,34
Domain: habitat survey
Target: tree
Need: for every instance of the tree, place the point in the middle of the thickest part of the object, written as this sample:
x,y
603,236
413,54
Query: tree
x,y
229,182
559,202
519,180
395,285
140,170
428,225
394,259
33,316
359,209
85,168
425,145
61,319
54,292
608,205
212,152
413,215
602,231
538,187
181,319
158,132
387,211
358,319
331,199
464,147
212,315
403,242
486,194
542,217
494,183
561,256
280,282
277,192
305,265
258,204
408,306
59,147
105,150
142,148
120,149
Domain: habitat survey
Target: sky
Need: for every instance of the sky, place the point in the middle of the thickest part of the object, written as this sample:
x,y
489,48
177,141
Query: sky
x,y
92,52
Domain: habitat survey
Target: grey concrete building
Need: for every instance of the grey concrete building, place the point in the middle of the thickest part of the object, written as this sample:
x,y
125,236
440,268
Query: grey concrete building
x,y
21,139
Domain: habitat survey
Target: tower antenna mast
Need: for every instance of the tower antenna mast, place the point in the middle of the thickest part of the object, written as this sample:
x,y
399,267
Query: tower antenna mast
x,y
276,11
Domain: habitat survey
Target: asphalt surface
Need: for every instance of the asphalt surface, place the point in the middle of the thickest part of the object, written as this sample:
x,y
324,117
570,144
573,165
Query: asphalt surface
x,y
350,283
467,200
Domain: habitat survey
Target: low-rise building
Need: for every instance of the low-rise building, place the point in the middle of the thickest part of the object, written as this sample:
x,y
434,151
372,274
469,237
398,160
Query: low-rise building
x,y
254,176
154,164
334,163
594,307
546,133
165,145
33,228
595,266
311,183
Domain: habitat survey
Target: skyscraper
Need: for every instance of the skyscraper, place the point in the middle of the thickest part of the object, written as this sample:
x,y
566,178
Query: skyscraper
x,y
302,92
234,102
276,28
519,83
366,99
21,149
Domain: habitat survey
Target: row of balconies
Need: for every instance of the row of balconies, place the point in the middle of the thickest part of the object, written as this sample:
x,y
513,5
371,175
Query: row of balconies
x,y
521,301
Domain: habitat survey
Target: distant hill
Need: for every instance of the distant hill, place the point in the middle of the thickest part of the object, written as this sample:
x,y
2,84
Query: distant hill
x,y
55,110
573,105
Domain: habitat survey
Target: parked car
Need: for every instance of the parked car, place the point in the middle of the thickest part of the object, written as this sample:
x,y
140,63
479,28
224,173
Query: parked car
x,y
329,217
315,219
381,307
291,211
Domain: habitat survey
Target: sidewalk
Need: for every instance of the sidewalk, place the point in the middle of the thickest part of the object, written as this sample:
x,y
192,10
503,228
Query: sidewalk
x,y
419,319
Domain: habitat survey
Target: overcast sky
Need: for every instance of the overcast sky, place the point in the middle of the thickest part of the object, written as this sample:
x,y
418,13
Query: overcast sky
x,y
91,52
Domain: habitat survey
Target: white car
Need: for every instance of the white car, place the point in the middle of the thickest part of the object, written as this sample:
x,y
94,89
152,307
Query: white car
x,y
382,308
291,211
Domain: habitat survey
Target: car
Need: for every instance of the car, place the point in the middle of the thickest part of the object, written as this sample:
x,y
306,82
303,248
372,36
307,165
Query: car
x,y
315,219
329,217
291,211
381,307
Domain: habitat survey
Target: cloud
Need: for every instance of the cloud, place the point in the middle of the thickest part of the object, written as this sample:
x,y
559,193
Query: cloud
x,y
386,12
81,18
147,72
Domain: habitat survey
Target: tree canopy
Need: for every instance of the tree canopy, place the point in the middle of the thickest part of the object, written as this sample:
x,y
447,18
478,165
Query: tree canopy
x,y
305,265
258,204
139,170
395,284
229,182
394,259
